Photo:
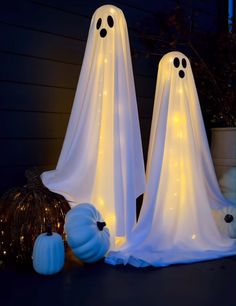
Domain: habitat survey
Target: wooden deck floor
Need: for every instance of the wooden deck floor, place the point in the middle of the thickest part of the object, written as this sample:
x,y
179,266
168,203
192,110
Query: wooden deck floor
x,y
201,284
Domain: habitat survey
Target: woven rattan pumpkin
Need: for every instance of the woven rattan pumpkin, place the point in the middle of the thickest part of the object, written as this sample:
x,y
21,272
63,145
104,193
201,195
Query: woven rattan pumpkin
x,y
25,212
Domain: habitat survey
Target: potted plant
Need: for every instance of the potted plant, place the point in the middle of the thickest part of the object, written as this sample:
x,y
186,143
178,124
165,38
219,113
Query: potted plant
x,y
216,79
223,115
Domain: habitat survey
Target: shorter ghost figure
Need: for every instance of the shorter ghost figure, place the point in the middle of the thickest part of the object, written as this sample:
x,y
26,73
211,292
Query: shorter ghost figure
x,y
176,223
101,161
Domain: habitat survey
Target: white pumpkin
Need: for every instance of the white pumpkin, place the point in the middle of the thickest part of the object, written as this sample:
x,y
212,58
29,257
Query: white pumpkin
x,y
225,219
87,234
228,185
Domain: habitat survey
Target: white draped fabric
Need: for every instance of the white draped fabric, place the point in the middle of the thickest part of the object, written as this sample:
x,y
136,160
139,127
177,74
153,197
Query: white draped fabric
x,y
101,161
176,223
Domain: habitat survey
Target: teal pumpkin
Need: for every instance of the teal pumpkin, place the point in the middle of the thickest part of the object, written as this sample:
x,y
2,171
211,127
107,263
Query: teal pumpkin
x,y
48,253
87,234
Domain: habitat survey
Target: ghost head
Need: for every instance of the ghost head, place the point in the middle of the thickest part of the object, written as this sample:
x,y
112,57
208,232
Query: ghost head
x,y
180,62
174,65
107,46
106,21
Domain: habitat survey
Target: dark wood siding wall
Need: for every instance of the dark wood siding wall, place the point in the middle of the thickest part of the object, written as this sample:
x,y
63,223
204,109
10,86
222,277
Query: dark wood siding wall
x,y
41,50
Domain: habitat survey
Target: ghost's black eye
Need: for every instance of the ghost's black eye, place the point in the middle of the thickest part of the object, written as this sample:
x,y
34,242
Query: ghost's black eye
x,y
110,21
99,22
181,74
176,62
184,62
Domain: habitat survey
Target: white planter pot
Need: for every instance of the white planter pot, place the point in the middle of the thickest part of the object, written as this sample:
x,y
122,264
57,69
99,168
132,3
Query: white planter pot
x,y
223,150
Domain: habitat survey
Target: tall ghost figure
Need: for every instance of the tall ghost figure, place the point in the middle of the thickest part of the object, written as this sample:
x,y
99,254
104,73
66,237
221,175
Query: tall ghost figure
x,y
176,223
101,161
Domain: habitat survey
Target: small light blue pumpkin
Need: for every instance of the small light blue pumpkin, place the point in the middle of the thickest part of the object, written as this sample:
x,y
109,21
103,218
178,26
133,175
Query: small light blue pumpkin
x,y
48,253
87,234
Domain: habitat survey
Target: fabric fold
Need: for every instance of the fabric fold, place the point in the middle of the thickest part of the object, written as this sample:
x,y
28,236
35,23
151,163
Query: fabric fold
x,y
176,224
101,161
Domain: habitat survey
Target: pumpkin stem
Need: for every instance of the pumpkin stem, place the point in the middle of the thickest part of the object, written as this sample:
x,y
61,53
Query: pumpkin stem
x,y
49,230
101,225
228,218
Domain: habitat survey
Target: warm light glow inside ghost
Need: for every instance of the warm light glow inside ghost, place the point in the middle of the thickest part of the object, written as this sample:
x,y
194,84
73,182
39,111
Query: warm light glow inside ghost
x,y
101,161
176,223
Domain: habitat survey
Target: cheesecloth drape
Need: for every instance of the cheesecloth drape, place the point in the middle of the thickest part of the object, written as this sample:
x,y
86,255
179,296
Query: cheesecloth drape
x,y
101,161
176,223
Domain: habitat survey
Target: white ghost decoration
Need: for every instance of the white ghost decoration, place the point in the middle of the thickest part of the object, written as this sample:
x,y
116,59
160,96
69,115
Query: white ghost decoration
x,y
101,161
176,223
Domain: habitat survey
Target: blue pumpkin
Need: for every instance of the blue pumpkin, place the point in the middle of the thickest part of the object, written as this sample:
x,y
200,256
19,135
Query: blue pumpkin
x,y
48,253
87,234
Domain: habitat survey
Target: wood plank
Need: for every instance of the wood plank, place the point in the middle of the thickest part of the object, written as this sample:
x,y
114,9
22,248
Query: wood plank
x,y
25,69
39,71
59,49
34,152
26,39
38,44
29,152
133,15
65,20
15,176
142,64
139,17
21,124
35,98
44,18
23,97
17,124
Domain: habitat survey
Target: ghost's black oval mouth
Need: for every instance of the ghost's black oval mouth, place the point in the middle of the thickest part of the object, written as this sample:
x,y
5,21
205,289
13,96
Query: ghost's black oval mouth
x,y
103,33
181,74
